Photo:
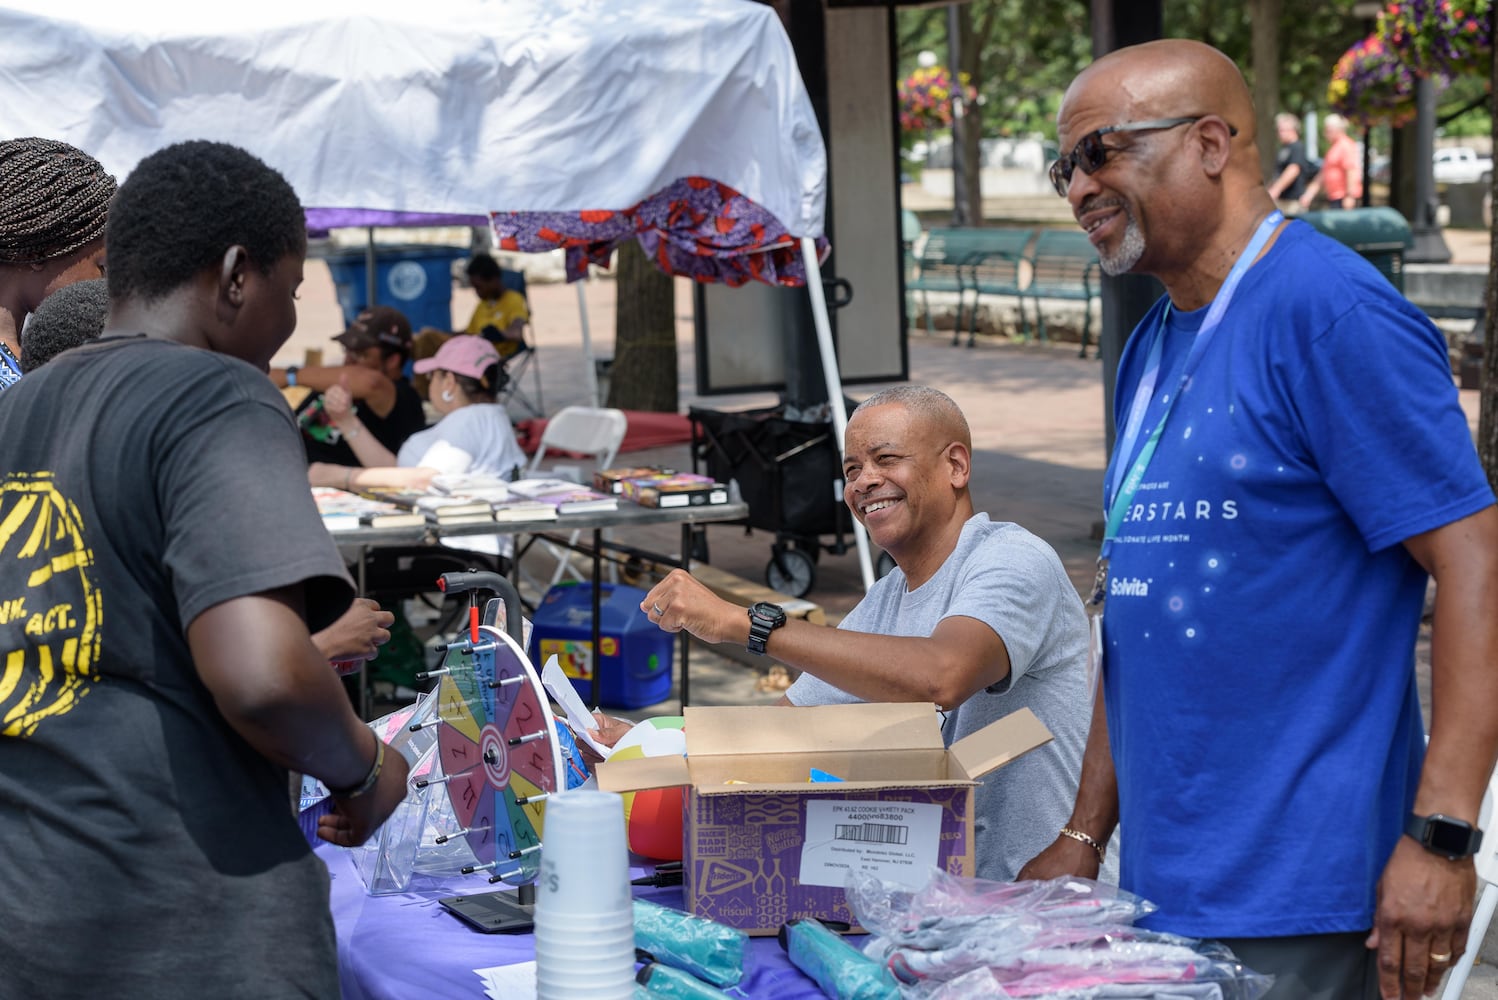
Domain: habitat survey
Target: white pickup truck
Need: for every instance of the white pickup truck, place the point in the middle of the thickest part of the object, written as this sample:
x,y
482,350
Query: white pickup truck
x,y
1462,165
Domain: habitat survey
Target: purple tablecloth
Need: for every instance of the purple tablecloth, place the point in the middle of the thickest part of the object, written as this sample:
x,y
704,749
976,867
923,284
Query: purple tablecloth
x,y
404,946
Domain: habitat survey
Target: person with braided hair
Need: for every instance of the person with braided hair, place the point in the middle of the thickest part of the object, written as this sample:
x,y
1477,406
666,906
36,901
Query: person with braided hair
x,y
53,202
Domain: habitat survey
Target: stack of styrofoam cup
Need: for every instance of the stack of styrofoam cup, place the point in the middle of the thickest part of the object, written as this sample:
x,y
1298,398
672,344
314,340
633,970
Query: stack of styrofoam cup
x,y
585,931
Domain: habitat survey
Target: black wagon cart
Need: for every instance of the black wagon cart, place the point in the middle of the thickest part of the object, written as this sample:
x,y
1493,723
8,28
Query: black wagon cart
x,y
789,473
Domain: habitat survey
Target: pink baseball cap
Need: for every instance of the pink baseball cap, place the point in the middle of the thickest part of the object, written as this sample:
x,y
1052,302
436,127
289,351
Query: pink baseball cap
x,y
462,354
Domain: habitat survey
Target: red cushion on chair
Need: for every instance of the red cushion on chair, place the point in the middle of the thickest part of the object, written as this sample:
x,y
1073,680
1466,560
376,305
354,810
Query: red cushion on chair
x,y
646,430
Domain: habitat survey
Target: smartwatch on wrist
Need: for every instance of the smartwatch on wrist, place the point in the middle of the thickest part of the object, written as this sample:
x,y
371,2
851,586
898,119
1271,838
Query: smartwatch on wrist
x,y
764,618
291,371
1451,838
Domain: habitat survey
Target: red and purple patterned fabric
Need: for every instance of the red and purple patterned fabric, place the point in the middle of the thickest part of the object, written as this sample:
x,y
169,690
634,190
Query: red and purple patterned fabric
x,y
695,227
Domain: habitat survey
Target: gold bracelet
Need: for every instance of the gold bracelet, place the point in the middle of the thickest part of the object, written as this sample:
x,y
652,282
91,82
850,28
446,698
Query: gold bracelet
x,y
370,779
1078,835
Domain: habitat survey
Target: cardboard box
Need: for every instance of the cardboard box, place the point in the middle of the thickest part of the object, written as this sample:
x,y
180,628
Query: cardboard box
x,y
764,845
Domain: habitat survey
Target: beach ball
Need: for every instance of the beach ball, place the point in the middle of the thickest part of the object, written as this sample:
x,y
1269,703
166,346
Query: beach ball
x,y
652,818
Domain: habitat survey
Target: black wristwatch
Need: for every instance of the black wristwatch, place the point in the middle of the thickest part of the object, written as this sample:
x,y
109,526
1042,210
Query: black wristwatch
x,y
1451,838
764,618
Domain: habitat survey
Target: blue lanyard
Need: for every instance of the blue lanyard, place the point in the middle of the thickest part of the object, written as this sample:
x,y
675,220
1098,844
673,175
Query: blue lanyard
x,y
10,368
1123,492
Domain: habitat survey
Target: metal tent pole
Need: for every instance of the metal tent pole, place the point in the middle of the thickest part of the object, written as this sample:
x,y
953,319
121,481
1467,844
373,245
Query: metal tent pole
x,y
371,270
588,363
834,384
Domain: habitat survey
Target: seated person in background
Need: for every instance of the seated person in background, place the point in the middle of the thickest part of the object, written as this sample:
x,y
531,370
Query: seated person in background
x,y
499,317
474,434
68,317
979,617
376,347
501,314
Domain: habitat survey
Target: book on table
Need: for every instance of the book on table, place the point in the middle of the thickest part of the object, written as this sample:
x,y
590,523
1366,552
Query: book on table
x,y
471,485
443,509
435,508
566,496
345,511
612,480
524,509
684,489
454,520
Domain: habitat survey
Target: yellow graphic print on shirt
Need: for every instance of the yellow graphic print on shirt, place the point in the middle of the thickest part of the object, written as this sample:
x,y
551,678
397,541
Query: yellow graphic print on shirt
x,y
50,610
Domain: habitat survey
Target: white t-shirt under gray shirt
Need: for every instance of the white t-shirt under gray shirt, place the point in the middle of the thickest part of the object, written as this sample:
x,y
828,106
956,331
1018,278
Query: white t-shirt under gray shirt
x,y
1013,582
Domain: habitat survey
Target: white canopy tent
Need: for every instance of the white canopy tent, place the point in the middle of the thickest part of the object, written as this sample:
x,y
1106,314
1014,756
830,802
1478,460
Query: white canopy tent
x,y
383,113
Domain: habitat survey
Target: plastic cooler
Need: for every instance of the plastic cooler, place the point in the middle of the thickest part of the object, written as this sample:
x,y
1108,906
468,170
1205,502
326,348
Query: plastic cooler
x,y
635,665
415,279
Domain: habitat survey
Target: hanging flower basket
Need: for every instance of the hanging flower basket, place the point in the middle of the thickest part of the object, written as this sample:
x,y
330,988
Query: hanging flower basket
x,y
926,99
1438,37
1372,86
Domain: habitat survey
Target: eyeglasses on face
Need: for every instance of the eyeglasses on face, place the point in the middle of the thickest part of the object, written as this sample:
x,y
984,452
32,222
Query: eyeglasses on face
x,y
1090,154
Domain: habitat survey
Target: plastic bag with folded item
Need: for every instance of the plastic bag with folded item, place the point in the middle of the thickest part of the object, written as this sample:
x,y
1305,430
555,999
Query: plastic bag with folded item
x,y
707,949
1069,937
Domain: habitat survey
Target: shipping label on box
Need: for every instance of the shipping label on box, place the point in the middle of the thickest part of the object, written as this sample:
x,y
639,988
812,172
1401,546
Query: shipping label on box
x,y
892,841
754,865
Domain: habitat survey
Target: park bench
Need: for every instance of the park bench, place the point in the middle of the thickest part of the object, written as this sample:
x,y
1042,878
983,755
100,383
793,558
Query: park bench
x,y
941,267
956,260
995,269
1063,265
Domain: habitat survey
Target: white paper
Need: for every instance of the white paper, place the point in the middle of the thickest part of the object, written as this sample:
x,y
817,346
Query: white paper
x,y
509,982
562,691
894,841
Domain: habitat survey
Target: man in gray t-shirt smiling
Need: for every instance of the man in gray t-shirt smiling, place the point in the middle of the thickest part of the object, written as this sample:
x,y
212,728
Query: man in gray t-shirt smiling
x,y
979,617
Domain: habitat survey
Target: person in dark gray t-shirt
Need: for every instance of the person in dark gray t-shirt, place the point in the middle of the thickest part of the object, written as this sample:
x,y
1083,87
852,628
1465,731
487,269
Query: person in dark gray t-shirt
x,y
979,617
161,561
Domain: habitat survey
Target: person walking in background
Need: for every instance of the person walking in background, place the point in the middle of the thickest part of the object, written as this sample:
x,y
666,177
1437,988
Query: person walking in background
x,y
1294,169
54,199
1292,469
1341,176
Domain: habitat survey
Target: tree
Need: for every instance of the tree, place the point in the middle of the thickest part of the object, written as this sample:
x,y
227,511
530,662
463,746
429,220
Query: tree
x,y
967,126
1265,18
1027,53
643,376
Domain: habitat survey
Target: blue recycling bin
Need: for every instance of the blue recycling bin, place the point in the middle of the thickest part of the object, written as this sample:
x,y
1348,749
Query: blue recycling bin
x,y
414,278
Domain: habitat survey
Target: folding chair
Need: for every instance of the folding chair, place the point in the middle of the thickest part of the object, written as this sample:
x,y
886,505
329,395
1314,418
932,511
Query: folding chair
x,y
523,360
594,432
1487,877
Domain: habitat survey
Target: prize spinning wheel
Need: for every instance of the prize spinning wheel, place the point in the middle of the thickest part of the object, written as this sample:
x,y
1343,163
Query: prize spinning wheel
x,y
499,752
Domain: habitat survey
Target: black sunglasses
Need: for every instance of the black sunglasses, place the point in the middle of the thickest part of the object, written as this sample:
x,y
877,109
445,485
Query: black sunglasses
x,y
1090,154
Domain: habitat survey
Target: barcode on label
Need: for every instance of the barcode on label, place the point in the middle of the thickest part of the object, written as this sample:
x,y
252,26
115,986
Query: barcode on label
x,y
874,833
